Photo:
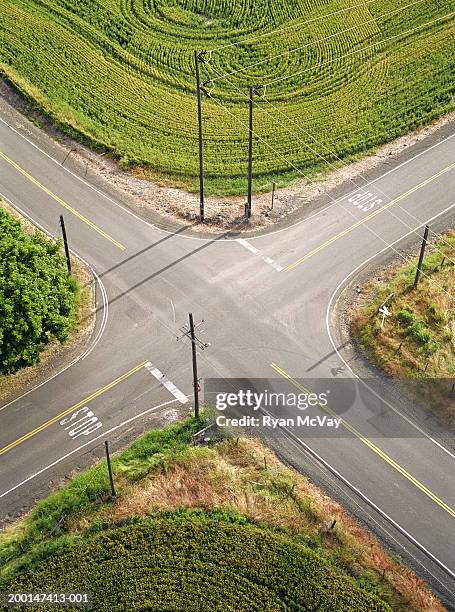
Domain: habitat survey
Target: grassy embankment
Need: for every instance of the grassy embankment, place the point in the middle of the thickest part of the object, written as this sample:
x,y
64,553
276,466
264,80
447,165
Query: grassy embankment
x,y
120,76
418,339
225,526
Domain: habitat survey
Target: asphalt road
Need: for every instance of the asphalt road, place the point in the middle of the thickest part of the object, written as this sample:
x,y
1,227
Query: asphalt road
x,y
267,303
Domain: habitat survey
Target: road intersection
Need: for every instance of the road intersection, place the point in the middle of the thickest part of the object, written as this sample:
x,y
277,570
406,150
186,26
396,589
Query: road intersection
x,y
268,305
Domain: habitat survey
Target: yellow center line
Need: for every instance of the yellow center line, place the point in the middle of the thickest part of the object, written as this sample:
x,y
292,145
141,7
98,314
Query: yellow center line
x,y
58,417
371,446
62,202
368,217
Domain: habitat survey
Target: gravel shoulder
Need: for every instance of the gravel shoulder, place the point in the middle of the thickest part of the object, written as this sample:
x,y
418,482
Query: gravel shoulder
x,y
169,208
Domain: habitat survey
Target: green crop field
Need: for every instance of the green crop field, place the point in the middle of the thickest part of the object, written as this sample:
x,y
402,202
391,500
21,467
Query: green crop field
x,y
197,564
121,74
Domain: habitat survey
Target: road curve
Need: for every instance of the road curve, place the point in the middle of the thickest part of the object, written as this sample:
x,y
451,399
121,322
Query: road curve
x,y
267,304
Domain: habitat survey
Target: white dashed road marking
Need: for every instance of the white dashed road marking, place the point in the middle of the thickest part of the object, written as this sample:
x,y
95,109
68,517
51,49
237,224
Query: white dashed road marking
x,y
255,251
166,382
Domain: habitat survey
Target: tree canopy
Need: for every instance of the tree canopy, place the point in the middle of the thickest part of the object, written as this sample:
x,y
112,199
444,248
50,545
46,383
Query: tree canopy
x,y
37,297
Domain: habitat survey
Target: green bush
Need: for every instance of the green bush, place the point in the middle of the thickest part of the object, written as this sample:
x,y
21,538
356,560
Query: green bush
x,y
406,318
197,563
419,333
37,297
414,328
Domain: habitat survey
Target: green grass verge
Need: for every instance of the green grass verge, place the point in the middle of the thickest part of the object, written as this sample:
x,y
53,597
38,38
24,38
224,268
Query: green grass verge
x,y
87,492
418,339
120,76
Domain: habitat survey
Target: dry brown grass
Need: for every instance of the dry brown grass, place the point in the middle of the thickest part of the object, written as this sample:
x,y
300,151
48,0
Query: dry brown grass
x,y
398,351
248,478
435,292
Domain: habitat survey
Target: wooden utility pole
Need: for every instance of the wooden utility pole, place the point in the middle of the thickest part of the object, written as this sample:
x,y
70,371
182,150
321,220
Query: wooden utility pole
x,y
188,331
109,468
195,378
250,156
197,59
422,254
65,243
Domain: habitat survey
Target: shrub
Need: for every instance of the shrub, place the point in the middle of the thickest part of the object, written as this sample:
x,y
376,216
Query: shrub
x,y
406,318
37,297
414,328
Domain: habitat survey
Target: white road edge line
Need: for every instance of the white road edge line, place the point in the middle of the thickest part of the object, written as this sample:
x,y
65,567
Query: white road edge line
x,y
255,251
368,501
129,212
383,528
105,315
162,379
327,323
350,193
75,450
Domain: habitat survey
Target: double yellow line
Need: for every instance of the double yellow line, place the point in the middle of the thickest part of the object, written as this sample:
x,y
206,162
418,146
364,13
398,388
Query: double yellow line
x,y
58,417
35,181
368,217
371,445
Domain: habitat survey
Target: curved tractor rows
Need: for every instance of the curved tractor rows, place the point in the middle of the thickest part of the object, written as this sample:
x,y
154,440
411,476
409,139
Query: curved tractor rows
x,y
120,72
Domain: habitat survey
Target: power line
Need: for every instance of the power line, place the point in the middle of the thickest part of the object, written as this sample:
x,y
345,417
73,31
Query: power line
x,y
380,42
290,27
328,162
344,164
333,199
289,51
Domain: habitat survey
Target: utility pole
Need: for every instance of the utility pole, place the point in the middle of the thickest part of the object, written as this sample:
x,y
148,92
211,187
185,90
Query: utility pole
x,y
198,57
195,378
253,90
422,253
273,194
109,468
188,331
250,155
65,243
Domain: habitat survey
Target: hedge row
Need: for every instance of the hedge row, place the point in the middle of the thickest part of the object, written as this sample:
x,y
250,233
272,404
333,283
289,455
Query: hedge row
x,y
37,297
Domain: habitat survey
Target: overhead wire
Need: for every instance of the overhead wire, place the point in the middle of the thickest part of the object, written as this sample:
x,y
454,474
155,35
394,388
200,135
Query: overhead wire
x,y
332,165
452,297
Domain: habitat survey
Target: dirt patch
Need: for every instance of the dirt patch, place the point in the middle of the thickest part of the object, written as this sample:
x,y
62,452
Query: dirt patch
x,y
55,356
174,204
